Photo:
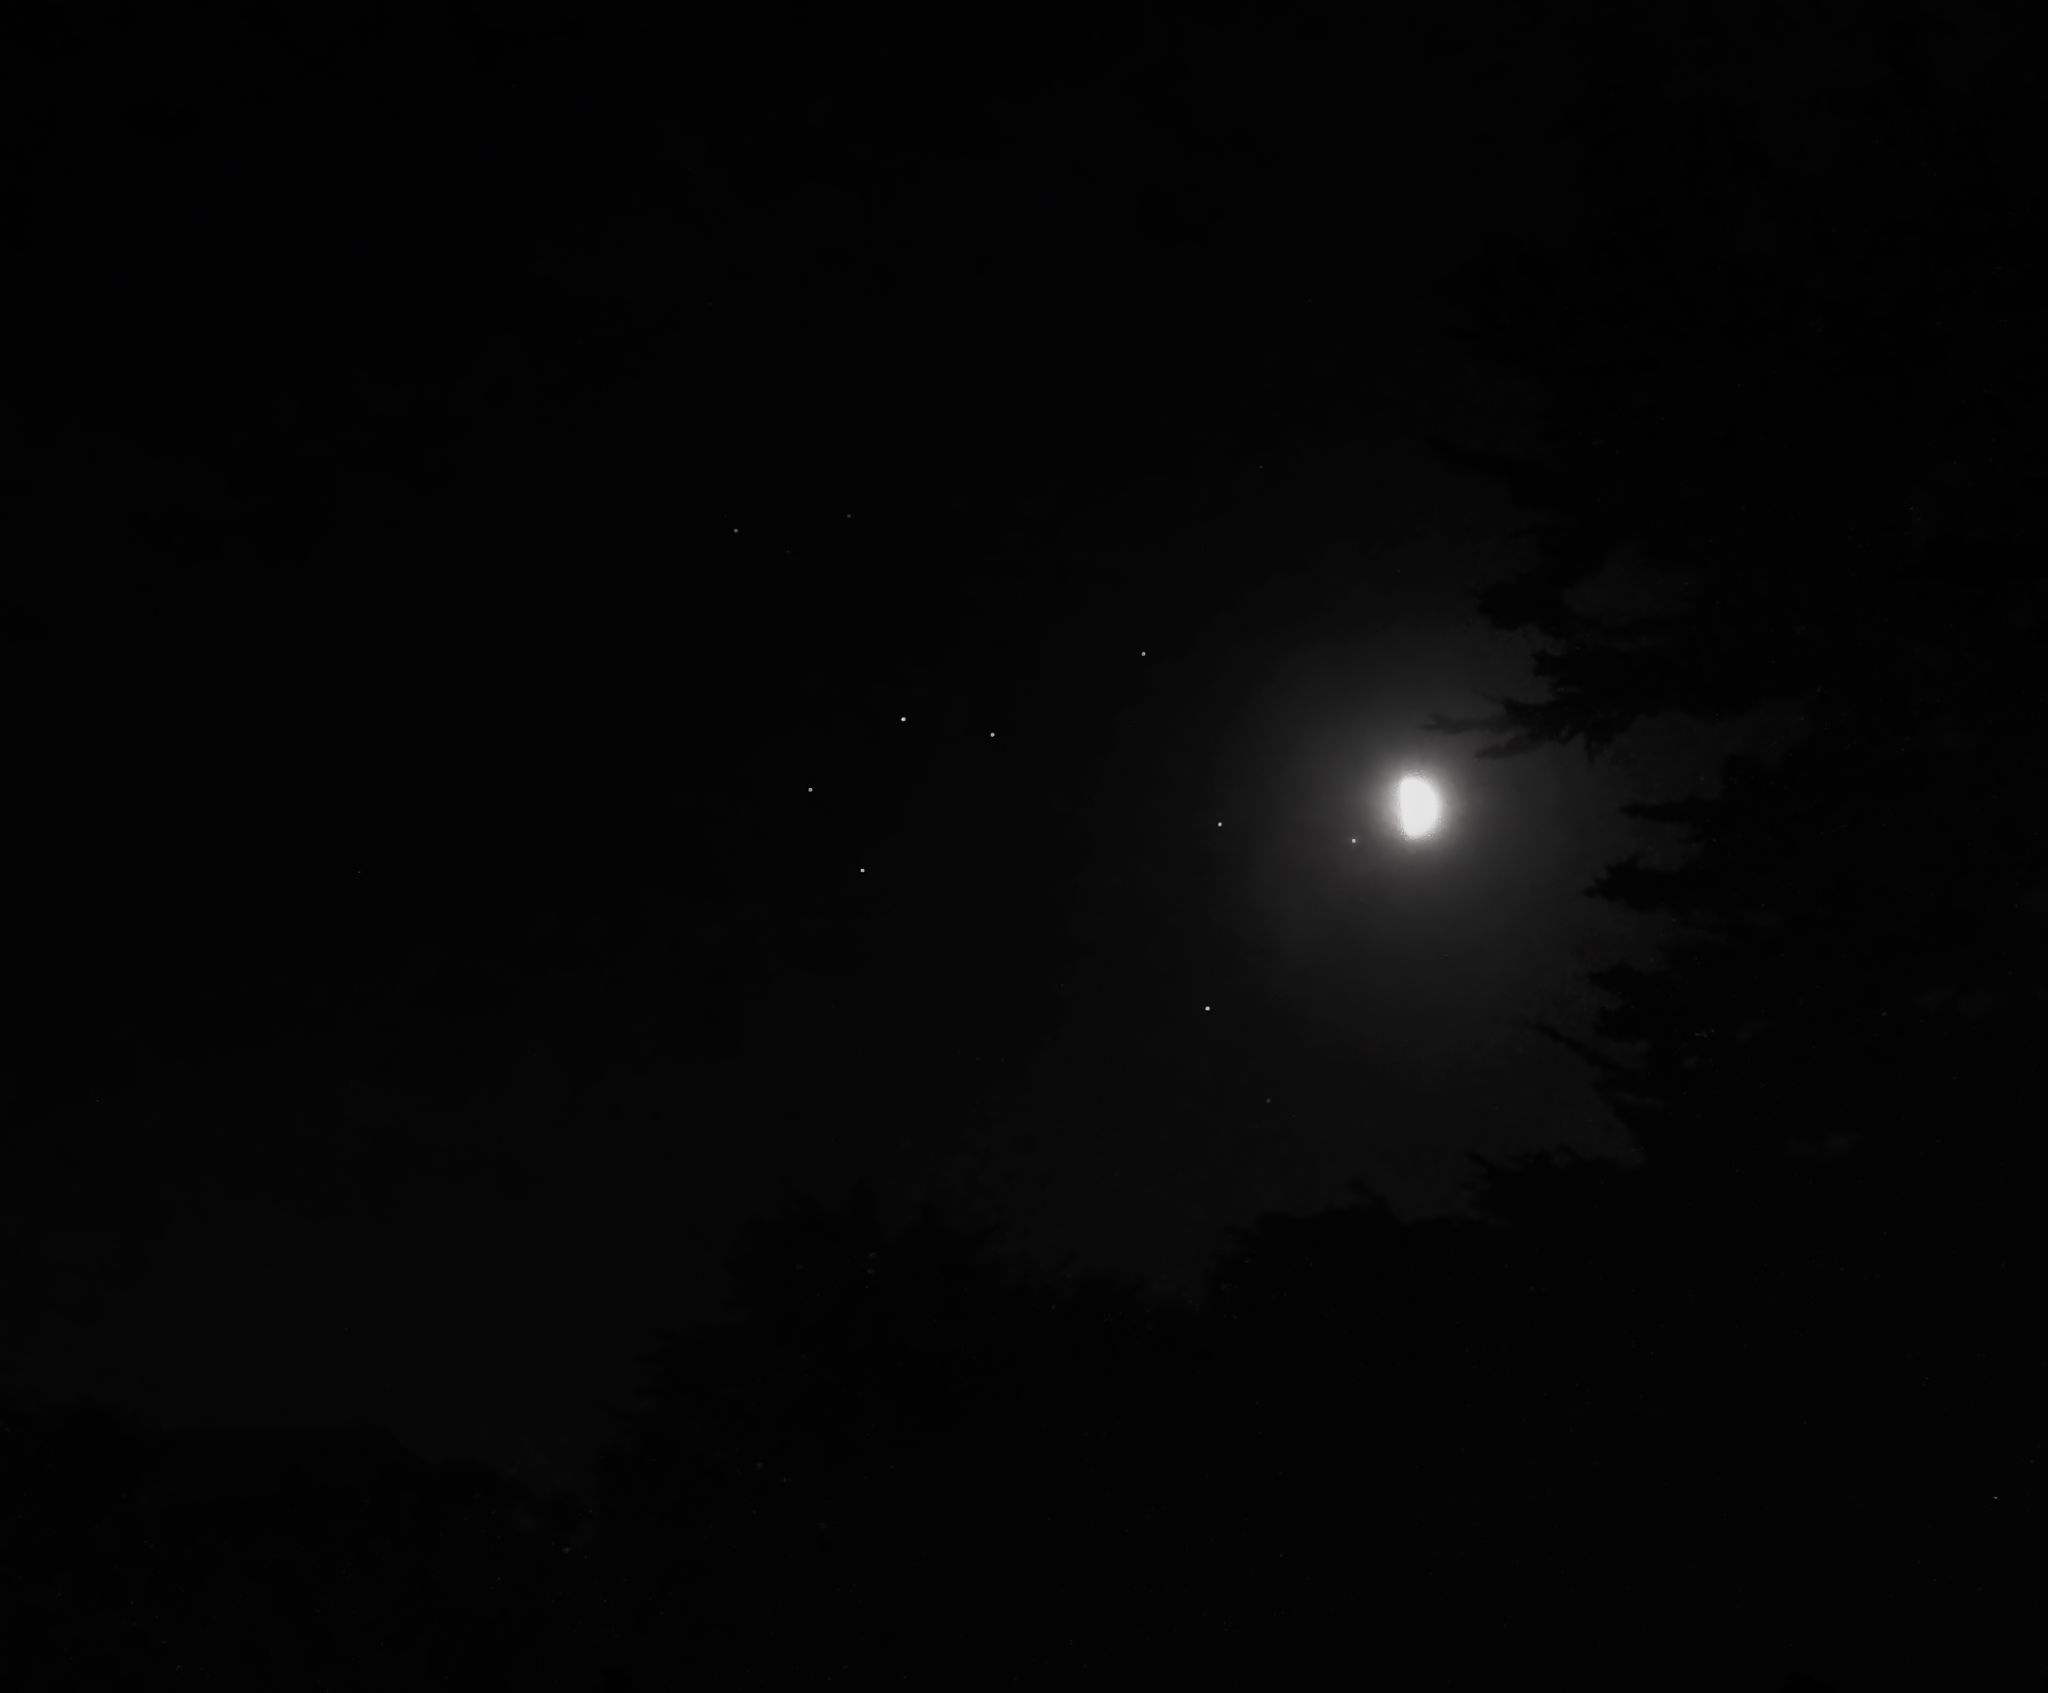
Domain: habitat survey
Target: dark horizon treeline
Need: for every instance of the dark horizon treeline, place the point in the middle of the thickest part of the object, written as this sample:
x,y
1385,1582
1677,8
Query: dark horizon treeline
x,y
1624,1428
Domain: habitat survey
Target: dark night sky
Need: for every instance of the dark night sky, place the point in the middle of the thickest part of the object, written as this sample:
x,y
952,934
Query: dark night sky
x,y
603,631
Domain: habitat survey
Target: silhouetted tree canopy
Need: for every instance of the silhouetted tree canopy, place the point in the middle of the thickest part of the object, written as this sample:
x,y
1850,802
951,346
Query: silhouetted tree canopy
x,y
1798,391
141,1558
1800,397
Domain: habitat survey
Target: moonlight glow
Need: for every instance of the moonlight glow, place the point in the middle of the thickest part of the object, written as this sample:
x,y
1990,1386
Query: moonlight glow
x,y
1417,805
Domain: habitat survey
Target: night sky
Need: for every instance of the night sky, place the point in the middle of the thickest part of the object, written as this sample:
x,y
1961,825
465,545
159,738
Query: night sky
x,y
606,630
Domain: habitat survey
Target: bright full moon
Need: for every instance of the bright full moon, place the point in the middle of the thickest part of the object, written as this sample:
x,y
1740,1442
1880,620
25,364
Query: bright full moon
x,y
1418,806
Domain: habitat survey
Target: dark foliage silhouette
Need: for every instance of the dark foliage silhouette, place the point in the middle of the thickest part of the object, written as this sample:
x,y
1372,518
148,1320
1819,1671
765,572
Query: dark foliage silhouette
x,y
240,1558
1827,1068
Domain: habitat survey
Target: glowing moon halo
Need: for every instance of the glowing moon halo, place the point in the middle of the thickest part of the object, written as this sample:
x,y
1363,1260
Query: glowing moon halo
x,y
1418,806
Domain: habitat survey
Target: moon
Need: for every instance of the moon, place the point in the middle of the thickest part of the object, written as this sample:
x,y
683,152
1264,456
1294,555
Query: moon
x,y
1418,806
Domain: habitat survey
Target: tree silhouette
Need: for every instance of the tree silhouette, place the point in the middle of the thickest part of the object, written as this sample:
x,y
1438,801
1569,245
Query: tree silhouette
x,y
1597,1430
139,1558
781,1454
1826,1070
1768,421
